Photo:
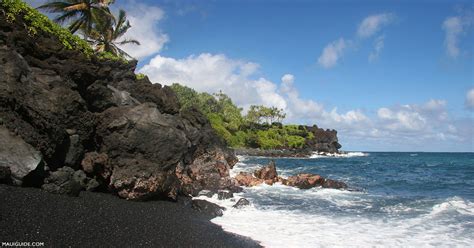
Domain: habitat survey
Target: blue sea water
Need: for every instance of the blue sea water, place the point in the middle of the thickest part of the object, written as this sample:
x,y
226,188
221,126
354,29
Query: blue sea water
x,y
402,199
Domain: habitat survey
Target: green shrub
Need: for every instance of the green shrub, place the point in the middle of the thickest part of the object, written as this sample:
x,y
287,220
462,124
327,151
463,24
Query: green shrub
x,y
35,22
269,139
226,118
140,76
294,141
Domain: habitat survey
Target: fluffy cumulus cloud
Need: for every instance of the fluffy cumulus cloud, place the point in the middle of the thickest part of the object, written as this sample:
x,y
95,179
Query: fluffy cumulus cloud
x,y
332,53
241,80
470,99
369,27
144,20
373,24
455,27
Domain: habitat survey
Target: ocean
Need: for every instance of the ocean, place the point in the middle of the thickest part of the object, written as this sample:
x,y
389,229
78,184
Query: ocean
x,y
400,199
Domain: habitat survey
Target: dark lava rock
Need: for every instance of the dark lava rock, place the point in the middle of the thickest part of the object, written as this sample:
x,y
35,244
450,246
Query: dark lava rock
x,y
62,182
20,157
305,181
224,194
206,193
92,185
128,134
207,208
97,164
247,179
242,202
267,173
333,184
5,175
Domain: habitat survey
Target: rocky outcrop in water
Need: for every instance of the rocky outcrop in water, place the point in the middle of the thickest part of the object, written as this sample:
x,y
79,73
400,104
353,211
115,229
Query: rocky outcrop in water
x,y
59,108
269,175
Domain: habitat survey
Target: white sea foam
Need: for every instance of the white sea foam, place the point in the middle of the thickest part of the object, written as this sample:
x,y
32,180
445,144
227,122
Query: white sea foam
x,y
338,155
322,219
454,204
289,228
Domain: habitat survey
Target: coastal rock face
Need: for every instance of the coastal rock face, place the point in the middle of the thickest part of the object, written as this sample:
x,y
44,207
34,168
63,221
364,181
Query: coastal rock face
x,y
267,173
127,134
323,141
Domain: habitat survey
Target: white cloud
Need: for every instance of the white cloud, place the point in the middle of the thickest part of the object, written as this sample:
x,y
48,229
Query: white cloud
x,y
404,119
370,26
470,99
374,23
378,46
144,20
332,53
288,79
453,28
212,73
241,80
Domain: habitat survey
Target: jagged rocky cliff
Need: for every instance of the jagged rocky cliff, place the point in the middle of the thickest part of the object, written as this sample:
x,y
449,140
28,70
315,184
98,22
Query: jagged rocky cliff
x,y
68,122
322,141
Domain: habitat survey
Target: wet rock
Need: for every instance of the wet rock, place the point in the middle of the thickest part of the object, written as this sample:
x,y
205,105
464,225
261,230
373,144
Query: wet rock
x,y
267,173
207,208
247,179
224,194
333,184
20,157
206,193
305,181
242,202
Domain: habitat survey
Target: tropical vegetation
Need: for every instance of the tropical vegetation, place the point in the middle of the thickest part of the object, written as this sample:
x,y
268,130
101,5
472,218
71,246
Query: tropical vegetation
x,y
260,128
100,31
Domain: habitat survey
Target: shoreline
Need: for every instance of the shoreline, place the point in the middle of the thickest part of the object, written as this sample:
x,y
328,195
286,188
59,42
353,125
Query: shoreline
x,y
98,219
284,153
277,153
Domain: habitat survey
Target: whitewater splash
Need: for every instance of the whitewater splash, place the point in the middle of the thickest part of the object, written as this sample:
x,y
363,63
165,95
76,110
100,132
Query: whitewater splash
x,y
275,226
338,155
282,216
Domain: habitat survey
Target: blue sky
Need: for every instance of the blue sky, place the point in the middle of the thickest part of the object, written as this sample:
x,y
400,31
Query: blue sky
x,y
388,75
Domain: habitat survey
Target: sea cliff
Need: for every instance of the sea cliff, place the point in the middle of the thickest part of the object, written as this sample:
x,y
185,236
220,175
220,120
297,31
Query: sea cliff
x,y
66,115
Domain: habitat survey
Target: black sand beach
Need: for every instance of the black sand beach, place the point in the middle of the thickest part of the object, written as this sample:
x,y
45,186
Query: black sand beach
x,y
103,220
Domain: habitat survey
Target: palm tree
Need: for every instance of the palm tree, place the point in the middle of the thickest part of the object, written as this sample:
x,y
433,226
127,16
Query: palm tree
x,y
107,31
81,12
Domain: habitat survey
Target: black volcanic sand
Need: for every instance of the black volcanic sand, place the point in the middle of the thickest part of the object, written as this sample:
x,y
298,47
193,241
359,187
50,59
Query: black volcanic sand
x,y
104,220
